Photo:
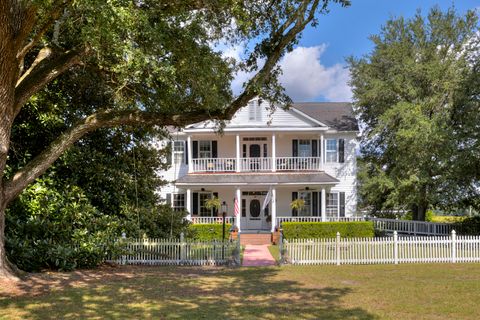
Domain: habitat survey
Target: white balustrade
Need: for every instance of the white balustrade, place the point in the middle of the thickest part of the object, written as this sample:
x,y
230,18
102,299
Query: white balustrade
x,y
210,220
255,164
298,163
317,219
214,165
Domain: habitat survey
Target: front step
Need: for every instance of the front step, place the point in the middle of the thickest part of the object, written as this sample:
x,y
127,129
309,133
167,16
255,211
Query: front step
x,y
255,238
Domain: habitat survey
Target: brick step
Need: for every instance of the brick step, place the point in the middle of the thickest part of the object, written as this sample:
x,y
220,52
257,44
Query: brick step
x,y
261,238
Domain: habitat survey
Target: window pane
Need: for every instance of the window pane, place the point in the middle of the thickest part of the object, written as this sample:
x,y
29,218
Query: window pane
x,y
332,204
331,150
178,151
178,202
204,149
307,209
304,148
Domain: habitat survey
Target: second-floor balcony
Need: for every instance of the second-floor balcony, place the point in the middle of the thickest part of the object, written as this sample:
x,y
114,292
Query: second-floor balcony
x,y
256,164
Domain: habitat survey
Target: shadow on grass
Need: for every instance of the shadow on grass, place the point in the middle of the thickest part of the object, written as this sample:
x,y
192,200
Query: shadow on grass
x,y
181,293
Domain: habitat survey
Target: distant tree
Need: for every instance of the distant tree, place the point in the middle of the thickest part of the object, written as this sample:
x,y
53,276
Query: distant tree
x,y
417,97
155,58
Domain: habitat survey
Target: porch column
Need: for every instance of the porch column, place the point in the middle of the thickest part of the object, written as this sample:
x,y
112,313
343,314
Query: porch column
x,y
324,205
322,151
274,208
237,139
239,215
189,153
189,204
274,153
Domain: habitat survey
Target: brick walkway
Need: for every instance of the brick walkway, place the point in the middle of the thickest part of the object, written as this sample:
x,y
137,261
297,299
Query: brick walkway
x,y
257,256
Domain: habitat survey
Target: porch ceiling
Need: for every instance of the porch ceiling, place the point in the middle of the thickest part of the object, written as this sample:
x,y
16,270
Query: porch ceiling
x,y
310,178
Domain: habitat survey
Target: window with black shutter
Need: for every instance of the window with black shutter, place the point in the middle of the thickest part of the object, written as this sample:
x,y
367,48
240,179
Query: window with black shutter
x,y
195,203
195,150
315,207
214,149
314,148
342,204
294,148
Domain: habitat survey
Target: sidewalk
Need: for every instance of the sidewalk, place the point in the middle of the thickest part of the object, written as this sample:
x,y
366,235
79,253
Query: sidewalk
x,y
257,256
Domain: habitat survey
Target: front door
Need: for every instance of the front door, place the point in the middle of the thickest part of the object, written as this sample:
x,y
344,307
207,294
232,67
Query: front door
x,y
254,214
254,152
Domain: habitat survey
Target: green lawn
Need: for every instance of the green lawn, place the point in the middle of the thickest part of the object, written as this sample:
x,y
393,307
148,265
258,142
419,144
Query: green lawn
x,y
423,291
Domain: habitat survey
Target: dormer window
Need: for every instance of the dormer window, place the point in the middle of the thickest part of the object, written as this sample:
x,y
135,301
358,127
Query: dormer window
x,y
254,111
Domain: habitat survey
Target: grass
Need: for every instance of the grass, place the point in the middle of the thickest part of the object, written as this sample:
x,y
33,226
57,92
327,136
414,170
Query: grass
x,y
426,291
275,252
447,219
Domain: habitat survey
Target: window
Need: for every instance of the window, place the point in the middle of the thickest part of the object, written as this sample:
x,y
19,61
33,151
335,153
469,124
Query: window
x,y
331,152
254,111
307,208
178,151
332,204
202,197
205,149
178,202
304,148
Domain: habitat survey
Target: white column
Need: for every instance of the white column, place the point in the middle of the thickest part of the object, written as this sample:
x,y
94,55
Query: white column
x,y
238,218
322,152
238,152
189,153
189,204
274,208
274,153
324,205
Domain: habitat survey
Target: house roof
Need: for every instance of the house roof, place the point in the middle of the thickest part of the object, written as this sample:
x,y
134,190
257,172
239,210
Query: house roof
x,y
290,178
338,115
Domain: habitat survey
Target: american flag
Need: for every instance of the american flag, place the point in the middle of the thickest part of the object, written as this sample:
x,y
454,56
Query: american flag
x,y
236,207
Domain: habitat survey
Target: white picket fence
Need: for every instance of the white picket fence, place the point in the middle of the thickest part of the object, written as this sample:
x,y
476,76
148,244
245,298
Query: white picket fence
x,y
177,252
386,250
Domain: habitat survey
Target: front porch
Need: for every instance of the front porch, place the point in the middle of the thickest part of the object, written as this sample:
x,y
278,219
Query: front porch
x,y
263,200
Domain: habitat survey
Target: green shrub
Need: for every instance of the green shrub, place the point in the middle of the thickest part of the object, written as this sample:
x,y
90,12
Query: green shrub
x,y
468,226
429,216
306,230
206,232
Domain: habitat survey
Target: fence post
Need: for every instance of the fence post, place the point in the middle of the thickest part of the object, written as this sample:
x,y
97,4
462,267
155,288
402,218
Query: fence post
x,y
337,249
454,246
182,248
395,247
280,247
123,260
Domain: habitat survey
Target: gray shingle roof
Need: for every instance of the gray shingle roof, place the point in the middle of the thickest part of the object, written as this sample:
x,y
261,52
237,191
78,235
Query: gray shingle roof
x,y
308,178
338,115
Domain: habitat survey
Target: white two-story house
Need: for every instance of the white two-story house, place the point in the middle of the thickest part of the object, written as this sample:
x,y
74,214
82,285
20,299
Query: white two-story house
x,y
306,152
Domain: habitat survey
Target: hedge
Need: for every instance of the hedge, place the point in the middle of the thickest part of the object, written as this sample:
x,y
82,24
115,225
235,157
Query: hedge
x,y
206,232
468,226
308,230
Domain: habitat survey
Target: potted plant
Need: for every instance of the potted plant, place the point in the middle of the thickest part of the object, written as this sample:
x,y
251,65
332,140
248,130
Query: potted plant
x,y
297,204
276,236
213,203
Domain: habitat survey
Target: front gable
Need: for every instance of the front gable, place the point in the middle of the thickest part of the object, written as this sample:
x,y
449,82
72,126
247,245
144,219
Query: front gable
x,y
259,115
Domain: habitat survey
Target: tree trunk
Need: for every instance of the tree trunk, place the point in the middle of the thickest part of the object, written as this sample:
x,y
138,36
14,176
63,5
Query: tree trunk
x,y
7,269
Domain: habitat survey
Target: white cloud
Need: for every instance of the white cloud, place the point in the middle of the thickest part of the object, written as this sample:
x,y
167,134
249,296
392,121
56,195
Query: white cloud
x,y
305,78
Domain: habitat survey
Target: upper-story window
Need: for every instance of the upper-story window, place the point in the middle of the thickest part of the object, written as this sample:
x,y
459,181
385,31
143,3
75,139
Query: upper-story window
x,y
304,148
331,150
178,151
254,111
205,149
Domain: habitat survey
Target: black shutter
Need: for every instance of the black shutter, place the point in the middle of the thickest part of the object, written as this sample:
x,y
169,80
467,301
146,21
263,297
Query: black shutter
x,y
314,148
341,150
195,203
319,203
215,210
295,148
214,149
244,208
315,204
195,150
169,199
294,197
342,204
168,153
186,152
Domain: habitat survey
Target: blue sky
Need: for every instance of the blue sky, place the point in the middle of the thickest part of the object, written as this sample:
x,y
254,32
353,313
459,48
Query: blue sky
x,y
315,70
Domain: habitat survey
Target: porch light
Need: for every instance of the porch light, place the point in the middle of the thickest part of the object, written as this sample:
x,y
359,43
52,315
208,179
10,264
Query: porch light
x,y
224,207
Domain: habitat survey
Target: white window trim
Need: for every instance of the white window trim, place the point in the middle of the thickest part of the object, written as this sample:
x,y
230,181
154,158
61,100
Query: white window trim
x,y
178,152
199,213
254,111
327,151
309,147
174,207
209,147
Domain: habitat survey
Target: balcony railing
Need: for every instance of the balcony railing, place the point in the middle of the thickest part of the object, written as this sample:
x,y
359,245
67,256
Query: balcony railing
x,y
214,165
210,220
317,219
256,164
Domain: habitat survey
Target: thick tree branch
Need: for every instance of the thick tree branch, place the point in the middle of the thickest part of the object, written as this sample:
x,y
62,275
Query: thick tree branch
x,y
111,118
47,66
